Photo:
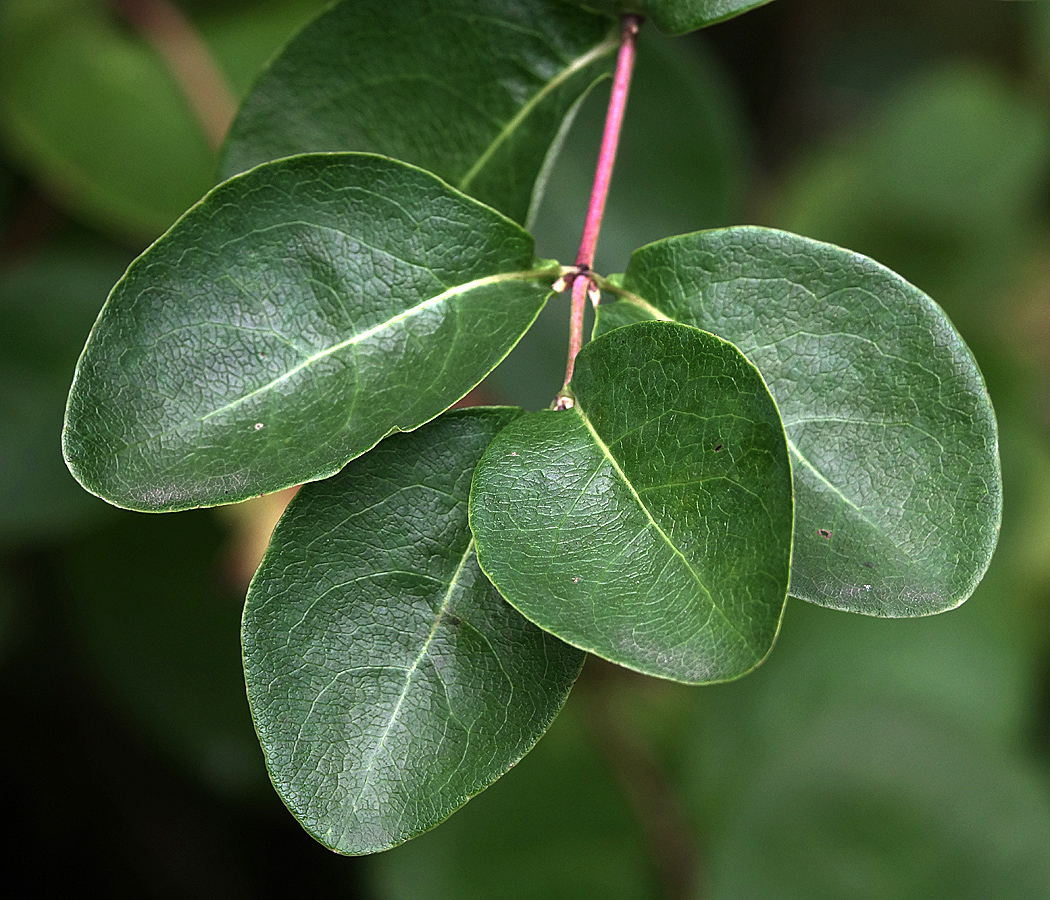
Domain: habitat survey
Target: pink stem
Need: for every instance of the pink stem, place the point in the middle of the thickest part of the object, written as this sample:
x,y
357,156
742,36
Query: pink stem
x,y
581,282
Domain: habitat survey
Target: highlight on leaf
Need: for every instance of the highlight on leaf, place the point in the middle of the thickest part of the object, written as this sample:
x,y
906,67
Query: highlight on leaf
x,y
330,298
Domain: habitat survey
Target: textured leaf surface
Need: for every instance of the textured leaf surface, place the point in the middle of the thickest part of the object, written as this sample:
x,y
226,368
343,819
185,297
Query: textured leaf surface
x,y
678,16
476,91
389,680
651,523
287,323
892,435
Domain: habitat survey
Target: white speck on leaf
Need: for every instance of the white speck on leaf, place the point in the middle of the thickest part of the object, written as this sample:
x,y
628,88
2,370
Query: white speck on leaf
x,y
258,426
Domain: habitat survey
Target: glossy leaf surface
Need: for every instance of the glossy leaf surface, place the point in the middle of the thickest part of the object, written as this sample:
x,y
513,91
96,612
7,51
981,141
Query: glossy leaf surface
x,y
651,523
287,323
389,680
476,91
893,439
678,16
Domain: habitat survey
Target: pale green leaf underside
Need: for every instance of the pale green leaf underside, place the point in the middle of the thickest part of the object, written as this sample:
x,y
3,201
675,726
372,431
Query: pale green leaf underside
x,y
651,523
892,435
476,91
388,679
291,320
677,16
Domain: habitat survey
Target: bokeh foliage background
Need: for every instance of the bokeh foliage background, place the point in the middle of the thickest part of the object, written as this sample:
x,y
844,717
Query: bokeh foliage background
x,y
864,759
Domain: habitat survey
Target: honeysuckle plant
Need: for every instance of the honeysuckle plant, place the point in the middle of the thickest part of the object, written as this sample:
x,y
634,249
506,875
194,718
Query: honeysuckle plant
x,y
757,414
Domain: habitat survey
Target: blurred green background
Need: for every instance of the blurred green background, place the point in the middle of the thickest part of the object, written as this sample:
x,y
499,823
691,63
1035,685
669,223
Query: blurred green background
x,y
864,759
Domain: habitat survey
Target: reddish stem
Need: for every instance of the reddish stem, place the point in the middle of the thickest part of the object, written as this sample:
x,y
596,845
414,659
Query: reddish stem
x,y
582,285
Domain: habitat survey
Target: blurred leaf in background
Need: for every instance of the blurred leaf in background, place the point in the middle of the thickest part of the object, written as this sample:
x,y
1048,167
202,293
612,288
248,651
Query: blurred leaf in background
x,y
942,184
91,108
159,622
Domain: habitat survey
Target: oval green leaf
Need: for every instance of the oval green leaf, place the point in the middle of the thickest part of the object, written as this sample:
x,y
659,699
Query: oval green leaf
x,y
389,681
476,91
287,323
893,438
677,16
651,523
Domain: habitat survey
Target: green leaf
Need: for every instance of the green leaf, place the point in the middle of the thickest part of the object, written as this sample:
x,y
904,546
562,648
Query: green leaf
x,y
942,185
651,523
892,435
388,679
476,91
291,320
677,16
93,113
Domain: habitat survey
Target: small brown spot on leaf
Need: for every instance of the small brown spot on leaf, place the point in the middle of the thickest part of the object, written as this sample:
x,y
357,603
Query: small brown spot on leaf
x,y
824,533
719,447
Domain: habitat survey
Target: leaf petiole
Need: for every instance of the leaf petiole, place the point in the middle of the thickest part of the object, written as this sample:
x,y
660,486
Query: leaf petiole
x,y
583,284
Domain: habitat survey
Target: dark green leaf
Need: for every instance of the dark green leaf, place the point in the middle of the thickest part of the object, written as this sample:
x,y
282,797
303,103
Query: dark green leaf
x,y
892,434
677,16
388,679
476,91
650,523
291,320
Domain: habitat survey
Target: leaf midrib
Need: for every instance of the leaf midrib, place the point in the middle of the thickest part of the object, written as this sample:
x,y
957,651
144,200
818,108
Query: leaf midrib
x,y
656,313
659,530
579,64
349,342
847,502
410,673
